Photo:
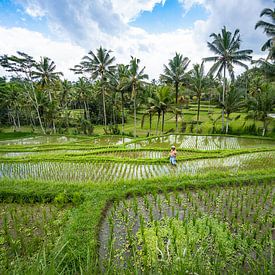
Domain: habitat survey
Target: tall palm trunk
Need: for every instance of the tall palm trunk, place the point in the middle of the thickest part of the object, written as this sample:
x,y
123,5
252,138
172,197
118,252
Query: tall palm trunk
x,y
162,125
51,101
122,111
36,106
18,120
177,91
157,129
103,103
135,111
104,108
198,113
150,122
227,123
34,101
223,95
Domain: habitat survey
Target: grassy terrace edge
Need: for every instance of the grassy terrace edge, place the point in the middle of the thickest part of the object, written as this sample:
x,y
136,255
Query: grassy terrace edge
x,y
87,157
78,247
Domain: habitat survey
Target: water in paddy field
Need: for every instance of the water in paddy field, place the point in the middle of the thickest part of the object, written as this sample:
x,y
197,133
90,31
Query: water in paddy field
x,y
38,140
112,172
202,142
50,152
105,141
234,205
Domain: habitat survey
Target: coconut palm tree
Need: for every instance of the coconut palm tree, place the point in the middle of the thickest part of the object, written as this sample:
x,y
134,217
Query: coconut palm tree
x,y
261,105
174,73
119,84
136,79
233,102
227,54
198,82
100,66
45,73
161,103
269,29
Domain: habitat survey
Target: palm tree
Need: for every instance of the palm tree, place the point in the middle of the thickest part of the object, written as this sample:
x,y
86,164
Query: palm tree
x,y
198,82
160,104
135,81
233,102
227,49
269,29
119,83
262,104
174,74
45,73
100,66
24,65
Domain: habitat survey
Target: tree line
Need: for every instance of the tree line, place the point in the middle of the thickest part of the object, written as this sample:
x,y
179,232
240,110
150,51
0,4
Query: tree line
x,y
108,94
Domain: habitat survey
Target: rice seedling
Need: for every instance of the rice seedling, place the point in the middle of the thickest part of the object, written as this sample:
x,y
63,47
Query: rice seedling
x,y
213,230
206,237
24,229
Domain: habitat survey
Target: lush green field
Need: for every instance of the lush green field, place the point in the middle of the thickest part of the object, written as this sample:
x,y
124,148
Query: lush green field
x,y
111,204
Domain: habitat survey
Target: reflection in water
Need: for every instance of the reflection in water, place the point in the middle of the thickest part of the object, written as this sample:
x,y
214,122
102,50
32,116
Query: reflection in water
x,y
203,142
38,140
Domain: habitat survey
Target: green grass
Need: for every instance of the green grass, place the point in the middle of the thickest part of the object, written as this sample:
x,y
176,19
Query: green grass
x,y
78,245
75,248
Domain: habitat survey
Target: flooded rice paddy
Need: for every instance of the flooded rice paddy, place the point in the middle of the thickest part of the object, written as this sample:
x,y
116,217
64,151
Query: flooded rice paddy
x,y
39,140
112,172
221,230
202,142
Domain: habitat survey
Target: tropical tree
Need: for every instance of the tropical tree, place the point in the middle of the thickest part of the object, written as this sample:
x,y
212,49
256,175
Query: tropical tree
x,y
23,66
174,73
100,66
261,105
12,99
45,72
160,104
46,75
269,29
198,82
65,97
136,79
119,83
227,49
233,102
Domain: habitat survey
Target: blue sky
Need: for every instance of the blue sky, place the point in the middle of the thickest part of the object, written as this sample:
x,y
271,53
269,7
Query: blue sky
x,y
169,17
152,30
12,14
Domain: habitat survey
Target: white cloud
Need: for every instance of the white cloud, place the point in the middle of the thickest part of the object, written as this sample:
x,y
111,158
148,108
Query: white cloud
x,y
64,54
105,22
130,9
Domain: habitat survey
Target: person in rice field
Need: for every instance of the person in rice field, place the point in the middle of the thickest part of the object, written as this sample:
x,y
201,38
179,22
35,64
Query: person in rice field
x,y
173,154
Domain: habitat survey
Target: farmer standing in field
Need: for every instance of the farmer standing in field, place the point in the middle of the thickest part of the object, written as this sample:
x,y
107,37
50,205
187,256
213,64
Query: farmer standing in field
x,y
173,154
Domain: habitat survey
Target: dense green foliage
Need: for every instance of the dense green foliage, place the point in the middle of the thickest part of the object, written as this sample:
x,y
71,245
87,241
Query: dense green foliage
x,y
111,95
79,202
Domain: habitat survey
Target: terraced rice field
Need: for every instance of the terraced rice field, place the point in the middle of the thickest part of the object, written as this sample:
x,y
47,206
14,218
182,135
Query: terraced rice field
x,y
210,229
26,229
223,229
202,142
112,172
